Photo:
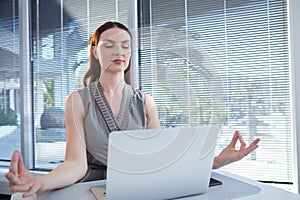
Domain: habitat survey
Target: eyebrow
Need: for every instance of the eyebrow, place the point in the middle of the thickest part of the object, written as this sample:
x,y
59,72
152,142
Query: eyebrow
x,y
114,41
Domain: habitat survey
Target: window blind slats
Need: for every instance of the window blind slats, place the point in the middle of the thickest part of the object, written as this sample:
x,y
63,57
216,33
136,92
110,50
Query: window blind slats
x,y
60,61
238,47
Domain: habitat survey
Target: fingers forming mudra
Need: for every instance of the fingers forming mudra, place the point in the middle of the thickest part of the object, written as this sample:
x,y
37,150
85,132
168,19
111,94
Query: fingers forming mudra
x,y
20,179
244,150
231,153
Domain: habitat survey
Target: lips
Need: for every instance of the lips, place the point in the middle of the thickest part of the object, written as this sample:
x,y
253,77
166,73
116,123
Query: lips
x,y
118,61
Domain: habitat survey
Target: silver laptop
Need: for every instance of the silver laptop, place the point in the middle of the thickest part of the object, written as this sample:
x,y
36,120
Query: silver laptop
x,y
160,163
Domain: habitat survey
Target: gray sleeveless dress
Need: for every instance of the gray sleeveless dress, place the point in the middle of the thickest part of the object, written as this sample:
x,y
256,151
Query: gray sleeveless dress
x,y
132,116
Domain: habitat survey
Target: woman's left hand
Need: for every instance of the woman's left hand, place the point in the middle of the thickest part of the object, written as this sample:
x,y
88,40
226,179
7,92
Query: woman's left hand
x,y
231,154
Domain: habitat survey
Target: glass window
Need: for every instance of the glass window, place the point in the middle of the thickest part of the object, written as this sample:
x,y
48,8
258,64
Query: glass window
x,y
60,60
9,79
223,62
202,61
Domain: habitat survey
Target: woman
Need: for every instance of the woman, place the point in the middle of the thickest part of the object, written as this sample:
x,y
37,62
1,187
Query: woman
x,y
107,103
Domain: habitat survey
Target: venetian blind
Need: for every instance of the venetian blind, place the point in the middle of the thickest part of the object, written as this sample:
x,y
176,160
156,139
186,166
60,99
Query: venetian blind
x,y
61,34
223,61
9,80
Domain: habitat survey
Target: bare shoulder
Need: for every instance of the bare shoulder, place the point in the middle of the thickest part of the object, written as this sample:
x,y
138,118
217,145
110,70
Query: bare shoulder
x,y
73,96
74,103
149,100
151,112
150,103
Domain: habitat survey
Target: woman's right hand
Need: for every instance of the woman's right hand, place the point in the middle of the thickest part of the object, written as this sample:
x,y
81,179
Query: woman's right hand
x,y
20,179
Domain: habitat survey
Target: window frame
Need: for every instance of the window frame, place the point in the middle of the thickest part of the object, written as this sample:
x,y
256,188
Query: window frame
x,y
294,48
26,86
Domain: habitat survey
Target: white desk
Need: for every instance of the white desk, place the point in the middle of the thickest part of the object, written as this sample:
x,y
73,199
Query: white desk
x,y
233,187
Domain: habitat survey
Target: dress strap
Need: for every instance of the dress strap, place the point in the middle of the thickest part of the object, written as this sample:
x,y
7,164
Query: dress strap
x,y
105,109
125,109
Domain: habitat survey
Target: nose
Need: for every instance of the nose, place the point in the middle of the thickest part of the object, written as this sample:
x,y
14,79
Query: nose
x,y
119,50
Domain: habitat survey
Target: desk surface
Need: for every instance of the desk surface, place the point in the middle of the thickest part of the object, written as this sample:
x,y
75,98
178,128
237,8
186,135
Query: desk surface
x,y
233,187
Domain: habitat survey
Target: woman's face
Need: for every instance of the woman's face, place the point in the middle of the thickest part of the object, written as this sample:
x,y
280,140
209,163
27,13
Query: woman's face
x,y
114,50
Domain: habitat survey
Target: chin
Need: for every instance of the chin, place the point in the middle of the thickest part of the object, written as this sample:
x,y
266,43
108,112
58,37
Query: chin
x,y
117,69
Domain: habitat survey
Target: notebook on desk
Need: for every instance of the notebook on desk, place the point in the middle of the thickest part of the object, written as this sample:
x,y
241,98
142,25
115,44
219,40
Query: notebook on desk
x,y
159,164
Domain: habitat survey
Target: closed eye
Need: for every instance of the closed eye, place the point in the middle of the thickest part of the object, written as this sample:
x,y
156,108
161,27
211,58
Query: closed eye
x,y
126,44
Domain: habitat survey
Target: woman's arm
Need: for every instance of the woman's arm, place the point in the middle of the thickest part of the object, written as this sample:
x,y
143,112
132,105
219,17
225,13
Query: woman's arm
x,y
72,169
151,113
75,164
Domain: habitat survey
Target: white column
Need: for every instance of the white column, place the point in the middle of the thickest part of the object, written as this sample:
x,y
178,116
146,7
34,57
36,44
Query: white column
x,y
26,84
294,28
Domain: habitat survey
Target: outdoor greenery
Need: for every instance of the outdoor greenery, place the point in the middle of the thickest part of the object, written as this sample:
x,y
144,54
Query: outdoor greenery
x,y
7,118
48,94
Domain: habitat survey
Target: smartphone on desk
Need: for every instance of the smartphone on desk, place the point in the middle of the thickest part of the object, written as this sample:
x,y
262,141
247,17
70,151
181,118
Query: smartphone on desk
x,y
214,182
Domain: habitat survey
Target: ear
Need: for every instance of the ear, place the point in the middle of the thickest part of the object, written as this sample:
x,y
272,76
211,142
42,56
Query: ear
x,y
95,52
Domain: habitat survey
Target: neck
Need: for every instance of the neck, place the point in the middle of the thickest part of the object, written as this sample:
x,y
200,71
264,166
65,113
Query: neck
x,y
112,85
